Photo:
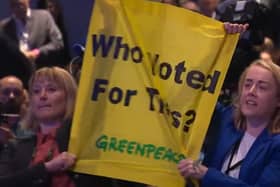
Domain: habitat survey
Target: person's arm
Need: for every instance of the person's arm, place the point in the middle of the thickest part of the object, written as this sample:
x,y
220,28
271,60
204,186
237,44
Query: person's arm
x,y
212,177
55,37
23,176
62,162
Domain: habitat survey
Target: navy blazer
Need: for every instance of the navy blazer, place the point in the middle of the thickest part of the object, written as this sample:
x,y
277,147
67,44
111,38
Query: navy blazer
x,y
260,167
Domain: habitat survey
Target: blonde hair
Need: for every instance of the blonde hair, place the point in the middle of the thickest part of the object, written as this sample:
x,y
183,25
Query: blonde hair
x,y
65,81
239,118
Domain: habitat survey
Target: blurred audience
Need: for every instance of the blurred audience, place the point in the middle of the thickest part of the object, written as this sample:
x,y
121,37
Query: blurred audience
x,y
208,7
241,12
13,104
191,5
34,32
56,10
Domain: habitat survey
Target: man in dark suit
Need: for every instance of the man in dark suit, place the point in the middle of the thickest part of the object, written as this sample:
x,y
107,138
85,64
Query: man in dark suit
x,y
12,61
34,32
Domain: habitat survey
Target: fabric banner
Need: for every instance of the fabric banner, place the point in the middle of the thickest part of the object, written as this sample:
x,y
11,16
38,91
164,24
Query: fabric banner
x,y
150,79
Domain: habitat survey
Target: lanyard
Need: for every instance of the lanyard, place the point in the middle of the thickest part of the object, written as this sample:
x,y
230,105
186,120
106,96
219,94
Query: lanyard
x,y
234,166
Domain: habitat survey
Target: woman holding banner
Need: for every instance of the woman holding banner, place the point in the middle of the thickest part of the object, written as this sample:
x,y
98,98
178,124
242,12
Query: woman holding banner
x,y
247,150
42,160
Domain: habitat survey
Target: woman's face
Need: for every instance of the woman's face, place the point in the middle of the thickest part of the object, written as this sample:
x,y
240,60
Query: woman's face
x,y
259,97
48,101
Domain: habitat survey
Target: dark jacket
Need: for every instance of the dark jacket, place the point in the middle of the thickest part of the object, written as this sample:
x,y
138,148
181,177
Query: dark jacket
x,y
12,61
18,172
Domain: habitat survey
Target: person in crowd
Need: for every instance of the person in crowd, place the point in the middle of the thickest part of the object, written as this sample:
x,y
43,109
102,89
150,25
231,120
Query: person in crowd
x,y
208,7
240,12
234,12
266,55
13,96
13,104
269,51
34,32
13,62
246,149
52,92
55,8
190,5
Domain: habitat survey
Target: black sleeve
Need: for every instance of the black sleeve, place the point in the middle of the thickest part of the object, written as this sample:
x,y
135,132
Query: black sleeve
x,y
34,174
13,62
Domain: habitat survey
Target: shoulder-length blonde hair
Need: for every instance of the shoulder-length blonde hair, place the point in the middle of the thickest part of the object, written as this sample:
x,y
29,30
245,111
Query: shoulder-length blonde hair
x,y
239,118
64,80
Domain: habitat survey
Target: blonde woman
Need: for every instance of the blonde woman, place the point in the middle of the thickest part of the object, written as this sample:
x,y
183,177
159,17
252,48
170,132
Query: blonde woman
x,y
42,160
247,152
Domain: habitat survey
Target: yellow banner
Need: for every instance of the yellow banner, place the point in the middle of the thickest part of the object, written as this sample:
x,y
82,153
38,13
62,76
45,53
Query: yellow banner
x,y
150,79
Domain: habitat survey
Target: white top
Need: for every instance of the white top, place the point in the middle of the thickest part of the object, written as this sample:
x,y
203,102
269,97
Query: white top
x,y
244,147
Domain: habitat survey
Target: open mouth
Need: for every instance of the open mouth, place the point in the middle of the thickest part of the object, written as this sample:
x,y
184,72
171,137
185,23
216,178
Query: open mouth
x,y
44,107
251,102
